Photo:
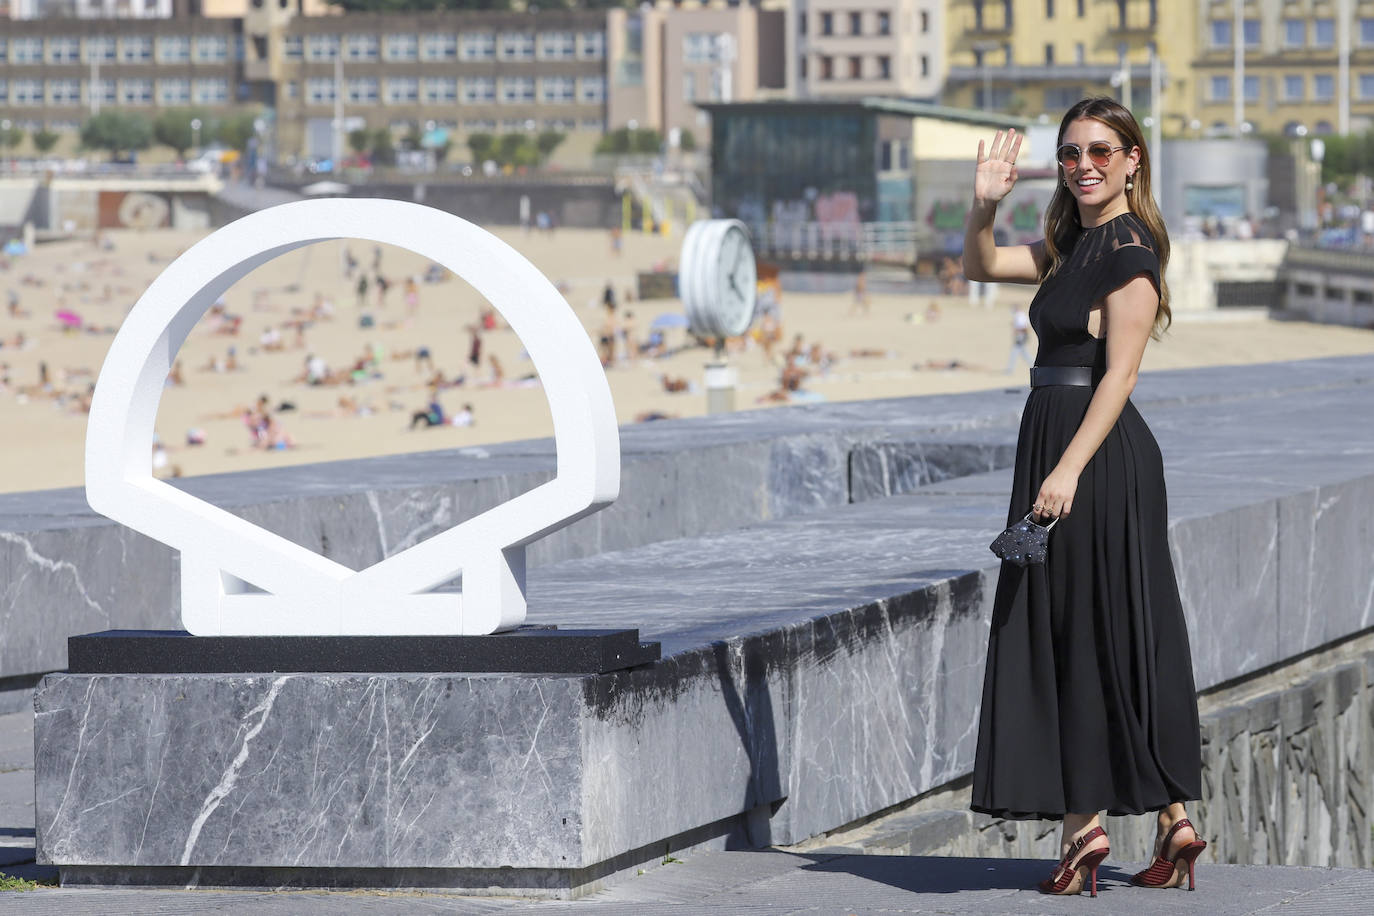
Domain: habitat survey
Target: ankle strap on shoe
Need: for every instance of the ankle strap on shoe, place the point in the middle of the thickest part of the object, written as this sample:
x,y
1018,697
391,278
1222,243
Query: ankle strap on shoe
x,y
1087,838
1168,837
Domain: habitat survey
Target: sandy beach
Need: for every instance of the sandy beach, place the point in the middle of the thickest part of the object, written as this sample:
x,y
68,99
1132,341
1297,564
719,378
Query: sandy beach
x,y
72,295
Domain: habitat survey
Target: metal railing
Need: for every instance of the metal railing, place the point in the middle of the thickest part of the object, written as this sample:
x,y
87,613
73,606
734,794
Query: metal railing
x,y
812,241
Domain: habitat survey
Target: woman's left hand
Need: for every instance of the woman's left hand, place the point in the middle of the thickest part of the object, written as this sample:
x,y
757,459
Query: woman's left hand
x,y
1055,498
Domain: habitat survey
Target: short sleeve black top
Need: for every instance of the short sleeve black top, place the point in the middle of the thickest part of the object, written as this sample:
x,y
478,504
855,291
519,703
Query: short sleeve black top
x,y
1101,259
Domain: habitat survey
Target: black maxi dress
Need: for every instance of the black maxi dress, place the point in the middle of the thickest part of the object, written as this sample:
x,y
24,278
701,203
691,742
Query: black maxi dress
x,y
1088,697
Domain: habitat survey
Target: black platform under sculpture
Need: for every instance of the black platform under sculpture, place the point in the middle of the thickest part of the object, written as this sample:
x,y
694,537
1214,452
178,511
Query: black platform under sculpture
x,y
526,650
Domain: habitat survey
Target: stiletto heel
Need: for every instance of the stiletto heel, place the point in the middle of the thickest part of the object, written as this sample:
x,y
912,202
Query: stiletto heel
x,y
1069,875
1167,871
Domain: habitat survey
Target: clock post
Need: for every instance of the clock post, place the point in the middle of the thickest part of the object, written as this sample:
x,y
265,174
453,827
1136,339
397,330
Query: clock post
x,y
718,282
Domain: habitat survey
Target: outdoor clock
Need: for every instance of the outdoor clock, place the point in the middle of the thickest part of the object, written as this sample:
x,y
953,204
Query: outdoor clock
x,y
718,279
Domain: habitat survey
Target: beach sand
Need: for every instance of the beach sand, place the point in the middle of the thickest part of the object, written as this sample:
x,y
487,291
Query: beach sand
x,y
45,435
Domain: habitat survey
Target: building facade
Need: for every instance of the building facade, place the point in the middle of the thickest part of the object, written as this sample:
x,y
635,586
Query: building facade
x,y
852,48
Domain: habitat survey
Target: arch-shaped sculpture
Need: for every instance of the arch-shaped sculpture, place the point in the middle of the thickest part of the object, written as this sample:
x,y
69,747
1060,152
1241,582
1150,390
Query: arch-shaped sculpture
x,y
303,593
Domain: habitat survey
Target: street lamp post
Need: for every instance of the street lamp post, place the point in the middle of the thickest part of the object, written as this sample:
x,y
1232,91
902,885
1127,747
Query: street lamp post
x,y
195,134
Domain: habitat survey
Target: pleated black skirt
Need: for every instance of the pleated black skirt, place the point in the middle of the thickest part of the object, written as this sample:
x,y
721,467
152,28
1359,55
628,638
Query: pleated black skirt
x,y
1088,696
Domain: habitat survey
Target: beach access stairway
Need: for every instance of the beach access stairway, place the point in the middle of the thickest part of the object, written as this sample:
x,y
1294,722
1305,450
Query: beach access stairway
x,y
820,582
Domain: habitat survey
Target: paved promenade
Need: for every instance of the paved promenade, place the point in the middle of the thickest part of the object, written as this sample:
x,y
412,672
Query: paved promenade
x,y
717,883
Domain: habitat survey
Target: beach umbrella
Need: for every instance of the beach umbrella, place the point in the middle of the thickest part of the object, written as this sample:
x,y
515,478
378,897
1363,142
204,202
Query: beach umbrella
x,y
669,320
68,317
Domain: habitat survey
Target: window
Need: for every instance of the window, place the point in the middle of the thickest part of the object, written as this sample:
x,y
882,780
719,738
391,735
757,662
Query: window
x,y
925,21
1081,10
319,90
591,45
291,89
26,51
1220,88
558,89
440,88
1079,53
210,91
1365,85
1049,54
136,49
884,67
925,65
479,125
517,46
1250,32
1323,87
516,125
439,46
1220,31
477,46
174,49
1366,32
402,46
557,45
321,47
1323,32
4,86
999,98
104,91
1058,98
827,65
101,48
136,92
64,50
689,86
517,90
827,23
1252,88
856,23
173,91
68,92
212,48
402,90
592,89
360,46
856,67
801,23
699,48
1049,9
1294,33
361,90
562,125
479,89
1294,87
26,92
884,23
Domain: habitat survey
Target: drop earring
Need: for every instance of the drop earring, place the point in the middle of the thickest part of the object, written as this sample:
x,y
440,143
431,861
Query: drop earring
x,y
1129,183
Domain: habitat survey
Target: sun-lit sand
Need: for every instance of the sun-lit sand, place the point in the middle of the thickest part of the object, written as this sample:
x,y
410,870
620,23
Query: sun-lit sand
x,y
44,435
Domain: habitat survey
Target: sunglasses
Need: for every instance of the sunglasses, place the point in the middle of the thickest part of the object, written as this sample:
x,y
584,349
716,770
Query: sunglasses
x,y
1099,154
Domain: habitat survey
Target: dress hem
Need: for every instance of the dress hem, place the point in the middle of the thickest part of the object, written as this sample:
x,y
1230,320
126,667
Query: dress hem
x,y
1009,815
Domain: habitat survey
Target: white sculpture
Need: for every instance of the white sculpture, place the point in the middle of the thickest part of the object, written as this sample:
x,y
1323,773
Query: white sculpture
x,y
224,558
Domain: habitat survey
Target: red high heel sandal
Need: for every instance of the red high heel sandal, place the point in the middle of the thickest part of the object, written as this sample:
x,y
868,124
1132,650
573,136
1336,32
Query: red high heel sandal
x,y
1069,876
1169,872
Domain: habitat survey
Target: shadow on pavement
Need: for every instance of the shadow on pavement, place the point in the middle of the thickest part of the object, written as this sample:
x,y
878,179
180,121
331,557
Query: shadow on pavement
x,y
951,875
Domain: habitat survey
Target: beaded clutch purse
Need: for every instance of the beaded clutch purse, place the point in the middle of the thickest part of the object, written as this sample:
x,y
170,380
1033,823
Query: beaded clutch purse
x,y
1024,542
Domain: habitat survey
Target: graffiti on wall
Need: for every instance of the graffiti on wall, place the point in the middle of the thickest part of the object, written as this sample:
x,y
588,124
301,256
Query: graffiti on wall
x,y
133,210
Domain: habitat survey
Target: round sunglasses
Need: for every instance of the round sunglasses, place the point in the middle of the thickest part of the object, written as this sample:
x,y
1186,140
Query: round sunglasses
x,y
1099,154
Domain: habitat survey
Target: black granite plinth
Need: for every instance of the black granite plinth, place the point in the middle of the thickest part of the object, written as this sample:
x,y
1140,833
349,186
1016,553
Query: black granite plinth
x,y
527,650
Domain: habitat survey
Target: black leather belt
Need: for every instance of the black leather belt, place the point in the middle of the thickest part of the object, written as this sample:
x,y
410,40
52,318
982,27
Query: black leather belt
x,y
1061,375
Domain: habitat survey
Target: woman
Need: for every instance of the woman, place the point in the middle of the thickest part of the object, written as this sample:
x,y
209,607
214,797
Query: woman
x,y
1088,697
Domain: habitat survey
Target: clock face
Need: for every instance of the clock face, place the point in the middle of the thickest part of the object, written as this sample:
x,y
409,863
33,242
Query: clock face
x,y
737,282
718,279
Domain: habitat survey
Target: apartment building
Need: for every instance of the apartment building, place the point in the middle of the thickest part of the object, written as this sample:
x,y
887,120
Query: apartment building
x,y
854,48
467,72
1307,66
1038,57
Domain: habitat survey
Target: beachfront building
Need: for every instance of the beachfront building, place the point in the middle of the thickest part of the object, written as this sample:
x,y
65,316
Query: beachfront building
x,y
835,182
462,72
1306,66
848,48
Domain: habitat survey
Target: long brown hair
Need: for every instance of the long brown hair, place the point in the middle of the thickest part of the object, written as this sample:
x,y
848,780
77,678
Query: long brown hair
x,y
1061,217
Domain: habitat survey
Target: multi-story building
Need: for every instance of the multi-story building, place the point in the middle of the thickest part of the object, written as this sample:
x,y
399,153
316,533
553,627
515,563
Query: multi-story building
x,y
853,48
466,72
1305,66
1038,57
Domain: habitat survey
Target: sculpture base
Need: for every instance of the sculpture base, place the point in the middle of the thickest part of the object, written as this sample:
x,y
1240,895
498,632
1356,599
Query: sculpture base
x,y
527,650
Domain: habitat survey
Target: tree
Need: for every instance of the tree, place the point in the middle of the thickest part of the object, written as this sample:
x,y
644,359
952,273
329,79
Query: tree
x,y
117,132
547,142
414,138
480,145
624,140
359,140
686,141
235,130
383,148
44,140
173,128
10,137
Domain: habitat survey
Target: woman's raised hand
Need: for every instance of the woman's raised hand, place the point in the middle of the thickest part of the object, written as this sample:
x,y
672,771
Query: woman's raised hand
x,y
996,171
